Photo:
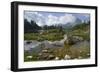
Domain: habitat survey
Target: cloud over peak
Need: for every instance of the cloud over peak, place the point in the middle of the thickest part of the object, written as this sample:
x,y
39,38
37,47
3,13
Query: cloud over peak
x,y
49,18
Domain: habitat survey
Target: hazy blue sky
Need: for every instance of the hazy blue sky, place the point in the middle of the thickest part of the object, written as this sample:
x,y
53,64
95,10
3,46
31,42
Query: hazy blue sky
x,y
49,18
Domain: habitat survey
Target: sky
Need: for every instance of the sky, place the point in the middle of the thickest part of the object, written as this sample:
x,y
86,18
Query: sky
x,y
51,18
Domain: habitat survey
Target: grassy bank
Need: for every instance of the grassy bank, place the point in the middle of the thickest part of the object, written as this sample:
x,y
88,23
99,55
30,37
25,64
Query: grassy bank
x,y
50,35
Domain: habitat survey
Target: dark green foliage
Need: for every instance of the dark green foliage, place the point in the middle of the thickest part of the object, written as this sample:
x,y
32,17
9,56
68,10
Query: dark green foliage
x,y
35,26
45,27
30,26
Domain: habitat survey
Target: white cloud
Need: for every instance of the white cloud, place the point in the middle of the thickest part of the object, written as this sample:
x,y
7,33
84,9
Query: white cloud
x,y
30,15
37,17
67,18
49,19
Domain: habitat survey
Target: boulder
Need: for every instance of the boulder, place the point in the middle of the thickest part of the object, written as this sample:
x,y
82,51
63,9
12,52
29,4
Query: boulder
x,y
67,57
51,57
56,58
74,39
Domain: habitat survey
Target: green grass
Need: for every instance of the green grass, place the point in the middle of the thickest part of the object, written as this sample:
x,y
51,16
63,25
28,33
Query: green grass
x,y
50,35
85,34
